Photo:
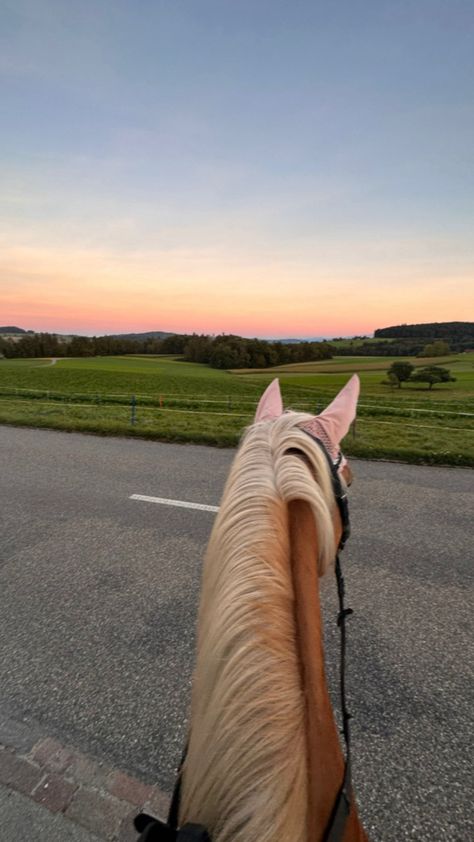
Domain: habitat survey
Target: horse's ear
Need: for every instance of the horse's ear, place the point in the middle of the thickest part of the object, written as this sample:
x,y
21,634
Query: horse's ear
x,y
339,415
270,405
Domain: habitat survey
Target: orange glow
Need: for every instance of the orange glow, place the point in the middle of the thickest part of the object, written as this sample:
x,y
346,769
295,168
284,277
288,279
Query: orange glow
x,y
94,291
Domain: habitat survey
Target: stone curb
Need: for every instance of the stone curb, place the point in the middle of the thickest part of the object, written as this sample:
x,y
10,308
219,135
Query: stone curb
x,y
62,779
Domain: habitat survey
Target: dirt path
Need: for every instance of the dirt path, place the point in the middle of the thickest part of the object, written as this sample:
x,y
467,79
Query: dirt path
x,y
52,361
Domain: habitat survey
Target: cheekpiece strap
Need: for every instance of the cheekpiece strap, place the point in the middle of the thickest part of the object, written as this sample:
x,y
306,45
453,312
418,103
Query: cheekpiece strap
x,y
337,487
154,830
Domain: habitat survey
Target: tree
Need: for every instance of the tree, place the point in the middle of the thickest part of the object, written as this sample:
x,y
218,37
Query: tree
x,y
402,371
6,348
80,346
198,349
392,380
432,374
438,348
174,344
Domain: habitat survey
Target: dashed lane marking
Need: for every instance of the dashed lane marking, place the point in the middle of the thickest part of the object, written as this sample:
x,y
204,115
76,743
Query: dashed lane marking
x,y
181,504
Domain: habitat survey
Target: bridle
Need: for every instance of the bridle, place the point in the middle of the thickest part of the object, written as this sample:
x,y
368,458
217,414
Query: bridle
x,y
155,830
340,813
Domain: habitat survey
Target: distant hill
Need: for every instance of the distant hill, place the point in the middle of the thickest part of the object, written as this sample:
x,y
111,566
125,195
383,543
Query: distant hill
x,y
296,341
157,334
140,337
431,330
10,329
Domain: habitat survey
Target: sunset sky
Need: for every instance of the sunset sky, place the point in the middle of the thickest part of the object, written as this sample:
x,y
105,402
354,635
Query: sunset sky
x,y
261,167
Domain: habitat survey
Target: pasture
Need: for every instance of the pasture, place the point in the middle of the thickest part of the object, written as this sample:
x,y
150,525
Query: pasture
x,y
188,402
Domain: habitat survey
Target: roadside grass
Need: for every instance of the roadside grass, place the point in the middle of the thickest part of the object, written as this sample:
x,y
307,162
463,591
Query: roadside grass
x,y
402,439
173,425
178,401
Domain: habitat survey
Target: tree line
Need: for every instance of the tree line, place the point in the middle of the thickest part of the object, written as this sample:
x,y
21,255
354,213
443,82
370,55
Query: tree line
x,y
402,348
221,351
236,352
51,345
460,335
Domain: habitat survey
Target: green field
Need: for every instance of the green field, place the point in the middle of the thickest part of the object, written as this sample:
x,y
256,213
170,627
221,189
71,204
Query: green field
x,y
178,401
356,343
350,364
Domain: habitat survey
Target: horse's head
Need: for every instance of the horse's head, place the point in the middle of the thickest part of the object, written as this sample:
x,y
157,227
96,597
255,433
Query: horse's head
x,y
264,761
329,427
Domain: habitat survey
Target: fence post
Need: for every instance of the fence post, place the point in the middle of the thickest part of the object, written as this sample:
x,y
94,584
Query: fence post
x,y
133,413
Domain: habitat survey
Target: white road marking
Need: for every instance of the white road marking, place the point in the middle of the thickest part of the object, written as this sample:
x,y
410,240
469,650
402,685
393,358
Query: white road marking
x,y
182,504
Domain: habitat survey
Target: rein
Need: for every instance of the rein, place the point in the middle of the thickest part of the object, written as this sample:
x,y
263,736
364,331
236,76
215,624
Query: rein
x,y
155,830
342,807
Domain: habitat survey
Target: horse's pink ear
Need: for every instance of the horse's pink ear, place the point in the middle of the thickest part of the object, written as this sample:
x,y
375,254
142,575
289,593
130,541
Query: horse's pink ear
x,y
339,415
270,405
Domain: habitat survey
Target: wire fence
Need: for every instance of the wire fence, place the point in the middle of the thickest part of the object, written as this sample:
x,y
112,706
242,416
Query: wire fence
x,y
192,403
133,412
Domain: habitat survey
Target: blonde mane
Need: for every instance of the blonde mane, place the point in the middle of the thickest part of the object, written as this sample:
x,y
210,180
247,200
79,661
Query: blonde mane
x,y
245,775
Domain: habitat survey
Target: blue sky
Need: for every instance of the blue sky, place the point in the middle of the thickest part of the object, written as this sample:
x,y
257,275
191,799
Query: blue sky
x,y
243,155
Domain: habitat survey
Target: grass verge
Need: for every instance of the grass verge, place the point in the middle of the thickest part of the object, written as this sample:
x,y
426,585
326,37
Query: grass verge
x,y
180,402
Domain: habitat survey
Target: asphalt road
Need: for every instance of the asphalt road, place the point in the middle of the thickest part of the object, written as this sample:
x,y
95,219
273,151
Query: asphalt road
x,y
98,599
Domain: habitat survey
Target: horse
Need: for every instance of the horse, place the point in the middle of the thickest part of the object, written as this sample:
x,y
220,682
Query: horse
x,y
264,761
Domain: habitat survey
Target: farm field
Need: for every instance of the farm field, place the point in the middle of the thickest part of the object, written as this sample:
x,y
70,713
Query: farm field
x,y
356,343
188,402
349,364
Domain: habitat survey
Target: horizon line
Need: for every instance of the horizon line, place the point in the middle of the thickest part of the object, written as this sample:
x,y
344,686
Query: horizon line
x,y
90,335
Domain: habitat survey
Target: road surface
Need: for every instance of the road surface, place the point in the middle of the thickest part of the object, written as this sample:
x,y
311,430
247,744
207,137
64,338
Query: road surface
x,y
98,600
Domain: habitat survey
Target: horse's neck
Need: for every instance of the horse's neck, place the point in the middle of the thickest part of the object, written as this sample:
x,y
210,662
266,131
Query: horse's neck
x,y
325,760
